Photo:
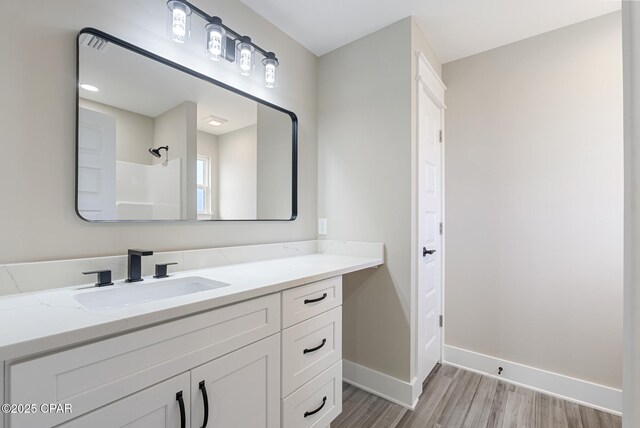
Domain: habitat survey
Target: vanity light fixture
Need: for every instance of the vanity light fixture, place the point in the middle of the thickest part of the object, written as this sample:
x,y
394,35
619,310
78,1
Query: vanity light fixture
x,y
214,120
88,87
220,40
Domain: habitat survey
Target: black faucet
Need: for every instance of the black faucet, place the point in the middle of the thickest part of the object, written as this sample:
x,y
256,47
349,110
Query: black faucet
x,y
134,269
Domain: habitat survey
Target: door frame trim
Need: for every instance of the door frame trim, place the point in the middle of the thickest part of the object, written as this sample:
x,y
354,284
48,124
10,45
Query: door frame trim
x,y
427,79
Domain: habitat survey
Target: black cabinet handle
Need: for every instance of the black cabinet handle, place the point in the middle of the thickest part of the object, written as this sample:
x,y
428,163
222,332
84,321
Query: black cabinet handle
x,y
183,415
313,412
425,251
205,401
324,296
306,351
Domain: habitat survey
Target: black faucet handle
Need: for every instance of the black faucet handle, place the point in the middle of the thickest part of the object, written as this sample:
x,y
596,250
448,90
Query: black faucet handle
x,y
161,269
138,252
104,277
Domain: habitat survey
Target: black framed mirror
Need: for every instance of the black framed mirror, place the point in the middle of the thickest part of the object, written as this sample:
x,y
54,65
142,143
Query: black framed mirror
x,y
157,141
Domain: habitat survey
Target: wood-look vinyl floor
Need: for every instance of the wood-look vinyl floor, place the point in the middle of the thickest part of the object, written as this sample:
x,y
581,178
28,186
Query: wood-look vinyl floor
x,y
455,398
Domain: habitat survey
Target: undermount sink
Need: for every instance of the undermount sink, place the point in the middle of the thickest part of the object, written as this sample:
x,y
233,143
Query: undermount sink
x,y
120,296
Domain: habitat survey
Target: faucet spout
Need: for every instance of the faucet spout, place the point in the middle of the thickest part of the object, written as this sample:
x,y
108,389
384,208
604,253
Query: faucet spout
x,y
134,266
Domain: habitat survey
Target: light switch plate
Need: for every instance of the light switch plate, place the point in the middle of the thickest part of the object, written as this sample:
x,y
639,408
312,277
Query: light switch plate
x,y
322,226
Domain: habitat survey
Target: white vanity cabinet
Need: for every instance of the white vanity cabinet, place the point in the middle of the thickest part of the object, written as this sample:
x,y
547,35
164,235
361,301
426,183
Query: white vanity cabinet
x,y
270,362
94,375
242,390
312,354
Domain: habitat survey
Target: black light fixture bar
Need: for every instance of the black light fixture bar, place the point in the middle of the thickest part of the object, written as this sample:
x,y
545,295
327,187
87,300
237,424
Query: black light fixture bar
x,y
230,31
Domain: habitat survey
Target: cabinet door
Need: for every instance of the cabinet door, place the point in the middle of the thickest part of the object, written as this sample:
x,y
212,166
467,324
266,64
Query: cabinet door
x,y
242,388
154,407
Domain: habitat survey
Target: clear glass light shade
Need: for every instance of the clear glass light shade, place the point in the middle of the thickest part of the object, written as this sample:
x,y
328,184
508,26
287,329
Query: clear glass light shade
x,y
245,58
178,21
215,42
270,66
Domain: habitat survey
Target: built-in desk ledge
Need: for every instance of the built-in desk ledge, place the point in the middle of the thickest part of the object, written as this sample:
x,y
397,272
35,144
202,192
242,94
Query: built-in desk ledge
x,y
39,313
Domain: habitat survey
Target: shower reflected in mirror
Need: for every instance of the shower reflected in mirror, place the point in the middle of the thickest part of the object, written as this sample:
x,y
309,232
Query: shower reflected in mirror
x,y
156,152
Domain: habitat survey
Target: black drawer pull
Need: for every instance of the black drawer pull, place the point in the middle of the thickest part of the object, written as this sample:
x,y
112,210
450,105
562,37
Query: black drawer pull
x,y
183,416
205,402
324,296
313,412
306,351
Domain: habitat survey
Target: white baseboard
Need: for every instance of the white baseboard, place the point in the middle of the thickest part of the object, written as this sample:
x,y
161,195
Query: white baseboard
x,y
579,391
388,387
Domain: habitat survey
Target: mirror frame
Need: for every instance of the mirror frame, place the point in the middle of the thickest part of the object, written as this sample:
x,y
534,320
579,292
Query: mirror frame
x,y
182,68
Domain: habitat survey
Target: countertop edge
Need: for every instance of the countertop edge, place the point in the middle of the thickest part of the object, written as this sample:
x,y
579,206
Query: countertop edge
x,y
92,333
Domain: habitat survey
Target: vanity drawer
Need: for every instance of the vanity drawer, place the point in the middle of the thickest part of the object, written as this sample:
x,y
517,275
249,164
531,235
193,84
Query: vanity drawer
x,y
309,348
320,400
306,301
93,375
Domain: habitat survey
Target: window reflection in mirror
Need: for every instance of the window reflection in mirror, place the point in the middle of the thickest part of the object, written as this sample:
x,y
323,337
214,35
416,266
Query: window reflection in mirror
x,y
156,143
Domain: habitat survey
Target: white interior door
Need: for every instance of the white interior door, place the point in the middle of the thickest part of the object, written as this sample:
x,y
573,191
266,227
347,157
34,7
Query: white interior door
x,y
96,165
430,217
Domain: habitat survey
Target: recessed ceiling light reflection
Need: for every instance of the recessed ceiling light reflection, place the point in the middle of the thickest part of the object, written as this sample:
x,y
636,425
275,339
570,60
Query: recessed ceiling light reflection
x,y
88,87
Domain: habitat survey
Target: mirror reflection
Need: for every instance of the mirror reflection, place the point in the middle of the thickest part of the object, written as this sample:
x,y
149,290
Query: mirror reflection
x,y
156,143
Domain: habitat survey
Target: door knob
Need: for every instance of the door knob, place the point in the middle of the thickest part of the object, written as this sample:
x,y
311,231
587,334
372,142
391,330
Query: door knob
x,y
425,251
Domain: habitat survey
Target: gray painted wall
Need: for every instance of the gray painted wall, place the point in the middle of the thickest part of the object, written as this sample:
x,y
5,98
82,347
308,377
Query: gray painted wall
x,y
274,164
534,203
134,132
631,55
37,186
237,174
176,128
365,139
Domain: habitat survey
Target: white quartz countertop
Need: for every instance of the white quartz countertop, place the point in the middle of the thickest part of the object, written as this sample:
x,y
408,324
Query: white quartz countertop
x,y
39,322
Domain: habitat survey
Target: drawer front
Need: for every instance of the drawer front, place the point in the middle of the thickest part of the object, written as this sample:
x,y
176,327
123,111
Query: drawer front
x,y
309,348
306,301
93,375
317,403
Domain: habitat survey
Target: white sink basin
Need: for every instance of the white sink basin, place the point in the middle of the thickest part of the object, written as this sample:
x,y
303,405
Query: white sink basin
x,y
120,296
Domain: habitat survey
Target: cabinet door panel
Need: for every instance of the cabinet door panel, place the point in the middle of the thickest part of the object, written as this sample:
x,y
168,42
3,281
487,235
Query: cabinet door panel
x,y
154,407
243,388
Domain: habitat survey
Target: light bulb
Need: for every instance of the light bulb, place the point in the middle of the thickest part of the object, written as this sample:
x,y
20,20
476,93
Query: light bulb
x,y
270,64
215,45
270,75
215,39
179,24
245,62
179,21
245,56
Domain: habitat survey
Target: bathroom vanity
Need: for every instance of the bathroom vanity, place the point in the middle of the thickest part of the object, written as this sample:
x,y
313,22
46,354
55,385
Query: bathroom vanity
x,y
241,337
262,349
